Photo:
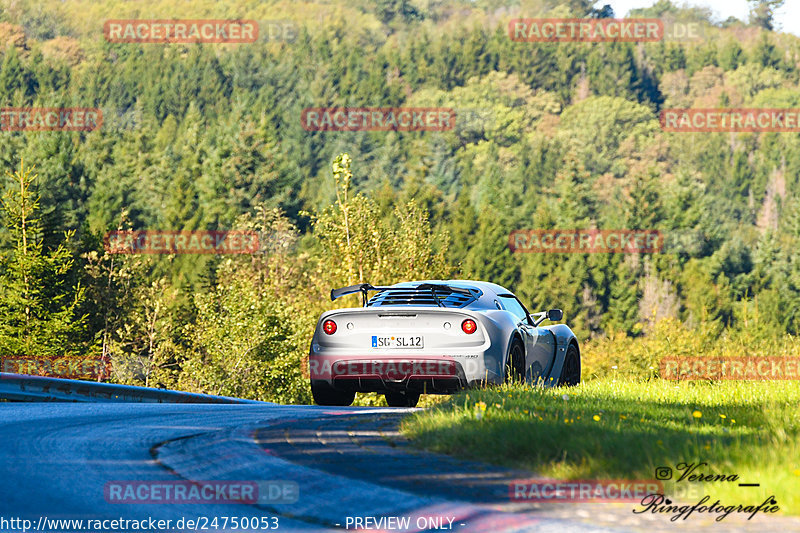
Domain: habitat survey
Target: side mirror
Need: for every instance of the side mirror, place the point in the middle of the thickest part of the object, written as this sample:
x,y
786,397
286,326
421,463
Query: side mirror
x,y
555,315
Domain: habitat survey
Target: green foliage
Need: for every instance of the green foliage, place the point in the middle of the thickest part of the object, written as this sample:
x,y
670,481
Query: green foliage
x,y
388,10
597,126
241,343
38,307
551,135
357,246
672,10
141,350
762,12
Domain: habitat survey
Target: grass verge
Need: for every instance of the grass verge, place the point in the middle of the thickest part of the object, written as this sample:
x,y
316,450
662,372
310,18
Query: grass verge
x,y
625,429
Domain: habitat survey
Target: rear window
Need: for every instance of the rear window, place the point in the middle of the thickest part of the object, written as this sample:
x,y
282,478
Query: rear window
x,y
424,297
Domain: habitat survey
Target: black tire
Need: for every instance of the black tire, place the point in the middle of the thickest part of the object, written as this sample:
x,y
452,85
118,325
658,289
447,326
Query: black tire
x,y
571,371
515,363
402,399
324,394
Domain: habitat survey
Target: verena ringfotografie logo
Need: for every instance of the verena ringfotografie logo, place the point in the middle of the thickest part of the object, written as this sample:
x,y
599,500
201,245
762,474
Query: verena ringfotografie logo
x,y
50,118
767,368
595,490
731,120
585,241
585,30
181,242
378,119
165,31
212,492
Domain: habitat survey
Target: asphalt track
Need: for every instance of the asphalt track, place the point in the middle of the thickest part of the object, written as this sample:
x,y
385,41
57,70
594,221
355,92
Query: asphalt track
x,y
57,461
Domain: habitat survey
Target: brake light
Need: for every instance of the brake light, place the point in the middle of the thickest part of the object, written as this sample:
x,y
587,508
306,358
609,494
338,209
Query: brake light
x,y
469,326
329,327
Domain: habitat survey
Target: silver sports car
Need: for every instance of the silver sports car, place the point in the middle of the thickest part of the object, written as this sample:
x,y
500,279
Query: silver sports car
x,y
436,337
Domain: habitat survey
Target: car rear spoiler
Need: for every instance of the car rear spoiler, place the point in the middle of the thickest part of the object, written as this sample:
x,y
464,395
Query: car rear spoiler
x,y
364,288
351,289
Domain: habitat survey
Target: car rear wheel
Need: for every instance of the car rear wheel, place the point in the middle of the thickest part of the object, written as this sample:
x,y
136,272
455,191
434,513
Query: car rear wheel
x,y
571,371
515,363
324,394
402,399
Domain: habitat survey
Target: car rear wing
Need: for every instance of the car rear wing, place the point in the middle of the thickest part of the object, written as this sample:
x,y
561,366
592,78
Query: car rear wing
x,y
364,289
351,289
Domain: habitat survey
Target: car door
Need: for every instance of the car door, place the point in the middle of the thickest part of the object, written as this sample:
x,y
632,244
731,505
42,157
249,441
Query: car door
x,y
539,342
530,334
544,353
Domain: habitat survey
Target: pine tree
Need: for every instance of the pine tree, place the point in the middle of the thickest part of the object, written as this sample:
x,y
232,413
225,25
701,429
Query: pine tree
x,y
762,12
12,74
37,307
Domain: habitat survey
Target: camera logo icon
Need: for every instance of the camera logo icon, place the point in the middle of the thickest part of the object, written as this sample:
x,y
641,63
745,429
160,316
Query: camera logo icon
x,y
663,473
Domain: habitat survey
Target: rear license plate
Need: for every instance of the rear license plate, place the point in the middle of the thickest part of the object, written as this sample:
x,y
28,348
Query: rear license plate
x,y
397,342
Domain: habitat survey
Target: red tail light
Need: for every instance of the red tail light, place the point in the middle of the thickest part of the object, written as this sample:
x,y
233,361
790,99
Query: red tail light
x,y
329,327
469,326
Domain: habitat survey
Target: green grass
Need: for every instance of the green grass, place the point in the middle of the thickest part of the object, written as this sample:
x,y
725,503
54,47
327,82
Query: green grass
x,y
624,429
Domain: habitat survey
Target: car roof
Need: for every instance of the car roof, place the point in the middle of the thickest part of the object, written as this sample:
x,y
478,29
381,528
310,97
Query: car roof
x,y
489,290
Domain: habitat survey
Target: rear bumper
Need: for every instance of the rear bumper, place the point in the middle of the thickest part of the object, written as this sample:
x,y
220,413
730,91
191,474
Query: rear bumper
x,y
426,375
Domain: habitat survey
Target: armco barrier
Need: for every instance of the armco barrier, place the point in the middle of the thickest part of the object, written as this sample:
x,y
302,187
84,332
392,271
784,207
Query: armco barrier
x,y
23,388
